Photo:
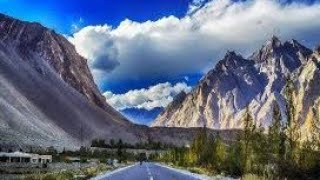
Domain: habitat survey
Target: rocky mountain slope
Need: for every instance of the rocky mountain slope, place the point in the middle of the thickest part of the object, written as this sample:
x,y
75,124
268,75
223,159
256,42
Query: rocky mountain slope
x,y
32,38
258,81
47,93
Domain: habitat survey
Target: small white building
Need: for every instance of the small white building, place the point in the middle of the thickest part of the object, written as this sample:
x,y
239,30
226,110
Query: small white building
x,y
20,157
42,159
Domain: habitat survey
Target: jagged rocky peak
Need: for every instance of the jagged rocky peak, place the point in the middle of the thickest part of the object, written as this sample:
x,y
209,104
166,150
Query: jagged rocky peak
x,y
35,43
271,46
274,42
294,46
285,57
275,48
231,61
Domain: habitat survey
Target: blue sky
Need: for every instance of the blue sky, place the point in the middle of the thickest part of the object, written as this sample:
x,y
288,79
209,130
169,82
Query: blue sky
x,y
61,15
144,52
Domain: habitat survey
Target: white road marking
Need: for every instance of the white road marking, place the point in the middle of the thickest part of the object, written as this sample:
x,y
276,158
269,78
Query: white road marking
x,y
149,172
193,175
112,172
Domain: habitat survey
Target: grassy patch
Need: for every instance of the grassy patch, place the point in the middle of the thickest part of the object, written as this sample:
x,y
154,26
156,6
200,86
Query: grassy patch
x,y
94,171
197,170
83,173
51,176
252,177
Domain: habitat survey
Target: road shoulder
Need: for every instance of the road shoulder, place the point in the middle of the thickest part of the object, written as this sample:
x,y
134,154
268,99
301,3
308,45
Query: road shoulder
x,y
110,173
198,176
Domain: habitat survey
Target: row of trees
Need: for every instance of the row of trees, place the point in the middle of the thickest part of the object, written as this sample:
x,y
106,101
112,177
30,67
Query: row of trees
x,y
276,153
150,144
119,151
121,154
86,153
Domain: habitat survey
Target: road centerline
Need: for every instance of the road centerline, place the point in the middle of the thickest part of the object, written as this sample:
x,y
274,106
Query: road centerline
x,y
149,172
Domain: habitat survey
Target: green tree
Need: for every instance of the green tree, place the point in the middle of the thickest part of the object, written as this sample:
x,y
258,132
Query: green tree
x,y
289,96
246,141
274,131
309,155
198,145
315,129
120,152
83,153
112,143
234,160
259,157
219,154
274,137
292,125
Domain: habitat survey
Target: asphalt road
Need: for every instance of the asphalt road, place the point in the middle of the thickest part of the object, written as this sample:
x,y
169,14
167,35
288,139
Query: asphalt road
x,y
147,171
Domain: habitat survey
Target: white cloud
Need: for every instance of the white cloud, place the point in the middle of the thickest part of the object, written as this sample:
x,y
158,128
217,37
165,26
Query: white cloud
x,y
174,46
159,95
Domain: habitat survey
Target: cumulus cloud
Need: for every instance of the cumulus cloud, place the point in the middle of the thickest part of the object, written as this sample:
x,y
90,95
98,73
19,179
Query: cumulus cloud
x,y
174,46
97,45
159,95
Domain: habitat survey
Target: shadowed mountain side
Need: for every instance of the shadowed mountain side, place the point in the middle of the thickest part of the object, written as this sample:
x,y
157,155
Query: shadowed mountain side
x,y
47,95
42,103
36,44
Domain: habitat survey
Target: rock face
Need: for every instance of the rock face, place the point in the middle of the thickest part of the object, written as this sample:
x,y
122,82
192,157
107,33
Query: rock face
x,y
30,39
47,93
234,83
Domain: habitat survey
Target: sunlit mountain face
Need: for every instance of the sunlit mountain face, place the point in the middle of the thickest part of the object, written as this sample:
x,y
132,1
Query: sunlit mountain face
x,y
143,54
